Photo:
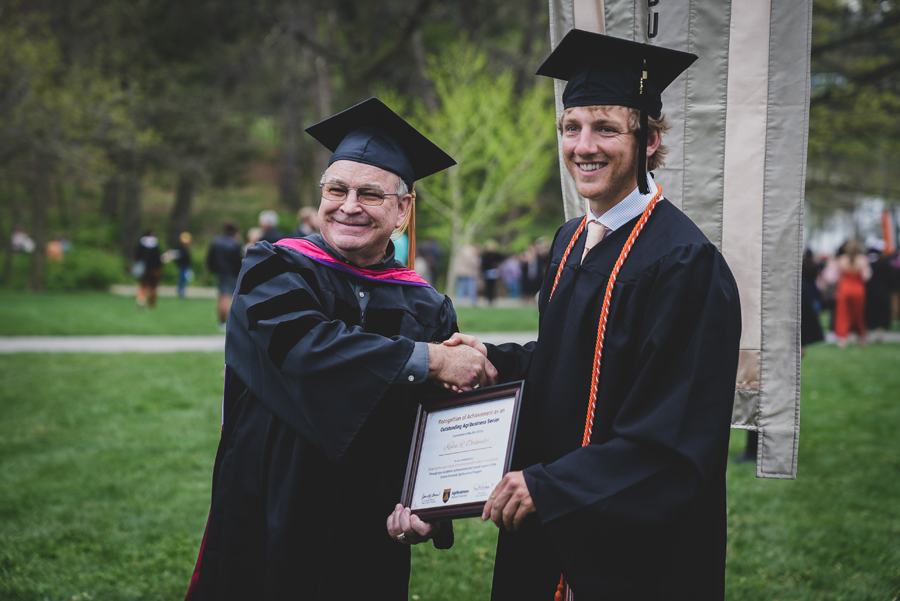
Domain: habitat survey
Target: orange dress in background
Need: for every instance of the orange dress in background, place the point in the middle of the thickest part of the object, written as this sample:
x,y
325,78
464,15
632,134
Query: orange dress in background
x,y
850,305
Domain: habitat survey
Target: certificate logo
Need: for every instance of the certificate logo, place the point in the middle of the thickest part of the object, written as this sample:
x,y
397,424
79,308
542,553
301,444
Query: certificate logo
x,y
446,494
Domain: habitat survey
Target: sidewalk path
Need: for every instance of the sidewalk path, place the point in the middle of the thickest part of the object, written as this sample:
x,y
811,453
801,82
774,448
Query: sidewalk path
x,y
167,344
174,344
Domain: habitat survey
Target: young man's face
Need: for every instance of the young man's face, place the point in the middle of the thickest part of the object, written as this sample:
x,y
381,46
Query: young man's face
x,y
360,232
600,152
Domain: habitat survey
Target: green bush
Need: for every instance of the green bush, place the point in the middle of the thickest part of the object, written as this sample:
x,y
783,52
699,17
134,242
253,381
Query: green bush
x,y
84,269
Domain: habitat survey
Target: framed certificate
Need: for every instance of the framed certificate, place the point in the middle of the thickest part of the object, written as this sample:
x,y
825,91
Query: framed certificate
x,y
462,447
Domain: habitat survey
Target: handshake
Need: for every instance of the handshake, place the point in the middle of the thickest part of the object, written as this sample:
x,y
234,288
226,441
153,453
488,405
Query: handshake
x,y
460,363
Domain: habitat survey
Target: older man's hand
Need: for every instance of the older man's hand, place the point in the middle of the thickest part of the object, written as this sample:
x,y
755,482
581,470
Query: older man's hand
x,y
406,527
459,367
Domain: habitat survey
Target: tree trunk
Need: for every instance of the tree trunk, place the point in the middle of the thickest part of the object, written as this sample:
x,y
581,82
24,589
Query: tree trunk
x,y
426,89
179,219
112,193
324,89
457,240
131,214
290,119
63,204
40,202
15,218
287,173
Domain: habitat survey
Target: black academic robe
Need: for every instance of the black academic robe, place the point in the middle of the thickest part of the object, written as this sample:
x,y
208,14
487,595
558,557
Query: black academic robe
x,y
318,422
640,512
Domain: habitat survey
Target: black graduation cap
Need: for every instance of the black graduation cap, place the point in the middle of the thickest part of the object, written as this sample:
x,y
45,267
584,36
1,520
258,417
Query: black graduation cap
x,y
607,71
372,133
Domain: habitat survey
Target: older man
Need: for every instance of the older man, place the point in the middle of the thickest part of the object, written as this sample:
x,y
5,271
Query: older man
x,y
621,456
327,353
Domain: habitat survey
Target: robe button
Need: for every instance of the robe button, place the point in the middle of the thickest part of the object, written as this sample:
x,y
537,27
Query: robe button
x,y
361,294
411,378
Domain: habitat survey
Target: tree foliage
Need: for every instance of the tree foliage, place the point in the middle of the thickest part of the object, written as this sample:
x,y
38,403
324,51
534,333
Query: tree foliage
x,y
113,95
503,140
854,130
52,119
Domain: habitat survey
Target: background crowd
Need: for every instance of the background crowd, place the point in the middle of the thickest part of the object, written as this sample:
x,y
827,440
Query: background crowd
x,y
857,289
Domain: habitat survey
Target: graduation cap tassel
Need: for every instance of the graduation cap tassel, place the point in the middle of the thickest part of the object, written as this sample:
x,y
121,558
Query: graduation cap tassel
x,y
411,251
642,139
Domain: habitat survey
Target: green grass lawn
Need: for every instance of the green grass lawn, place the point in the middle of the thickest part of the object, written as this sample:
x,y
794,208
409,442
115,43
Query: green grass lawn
x,y
105,467
97,313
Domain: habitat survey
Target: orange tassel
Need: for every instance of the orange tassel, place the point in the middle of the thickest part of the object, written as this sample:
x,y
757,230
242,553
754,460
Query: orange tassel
x,y
411,251
601,328
560,589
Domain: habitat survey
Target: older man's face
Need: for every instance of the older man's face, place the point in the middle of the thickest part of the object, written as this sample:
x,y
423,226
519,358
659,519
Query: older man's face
x,y
359,232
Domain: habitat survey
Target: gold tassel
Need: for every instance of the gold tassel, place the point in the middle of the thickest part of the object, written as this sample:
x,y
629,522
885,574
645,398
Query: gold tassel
x,y
409,224
411,252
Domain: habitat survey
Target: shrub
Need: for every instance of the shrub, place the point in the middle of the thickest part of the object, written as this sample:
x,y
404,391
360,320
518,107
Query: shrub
x,y
84,269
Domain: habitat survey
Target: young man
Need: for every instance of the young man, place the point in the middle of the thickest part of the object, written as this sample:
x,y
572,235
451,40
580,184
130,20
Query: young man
x,y
619,488
327,354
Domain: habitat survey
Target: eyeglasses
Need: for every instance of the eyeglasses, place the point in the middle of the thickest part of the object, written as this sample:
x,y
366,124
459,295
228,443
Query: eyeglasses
x,y
371,197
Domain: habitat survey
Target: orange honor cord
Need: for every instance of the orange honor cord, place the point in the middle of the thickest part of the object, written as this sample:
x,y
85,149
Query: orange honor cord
x,y
601,327
565,256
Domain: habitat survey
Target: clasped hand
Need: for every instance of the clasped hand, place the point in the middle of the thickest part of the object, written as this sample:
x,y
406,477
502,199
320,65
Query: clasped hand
x,y
460,364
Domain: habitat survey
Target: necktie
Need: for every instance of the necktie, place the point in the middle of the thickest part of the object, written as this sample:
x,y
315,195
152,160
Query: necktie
x,y
595,233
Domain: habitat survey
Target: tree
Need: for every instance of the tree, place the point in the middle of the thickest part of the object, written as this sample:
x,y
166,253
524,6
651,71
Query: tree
x,y
502,140
854,131
51,117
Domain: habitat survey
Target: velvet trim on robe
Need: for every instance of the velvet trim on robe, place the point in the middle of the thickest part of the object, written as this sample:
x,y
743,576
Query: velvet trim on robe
x,y
640,512
318,420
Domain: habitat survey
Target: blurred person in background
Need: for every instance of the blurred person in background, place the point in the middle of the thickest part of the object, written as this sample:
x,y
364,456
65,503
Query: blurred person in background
x,y
308,222
254,235
850,295
878,289
147,268
534,267
829,276
268,221
57,248
511,274
467,267
431,251
181,254
810,303
223,259
21,242
490,270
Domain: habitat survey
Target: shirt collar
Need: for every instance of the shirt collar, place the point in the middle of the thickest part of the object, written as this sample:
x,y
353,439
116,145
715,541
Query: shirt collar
x,y
627,209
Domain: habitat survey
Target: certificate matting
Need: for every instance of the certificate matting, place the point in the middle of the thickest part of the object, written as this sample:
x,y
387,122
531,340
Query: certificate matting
x,y
461,449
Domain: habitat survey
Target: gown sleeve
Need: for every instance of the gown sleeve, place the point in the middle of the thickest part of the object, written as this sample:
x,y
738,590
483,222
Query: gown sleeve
x,y
288,345
668,434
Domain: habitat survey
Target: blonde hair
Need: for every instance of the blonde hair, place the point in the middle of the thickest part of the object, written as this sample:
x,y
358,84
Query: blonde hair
x,y
660,126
